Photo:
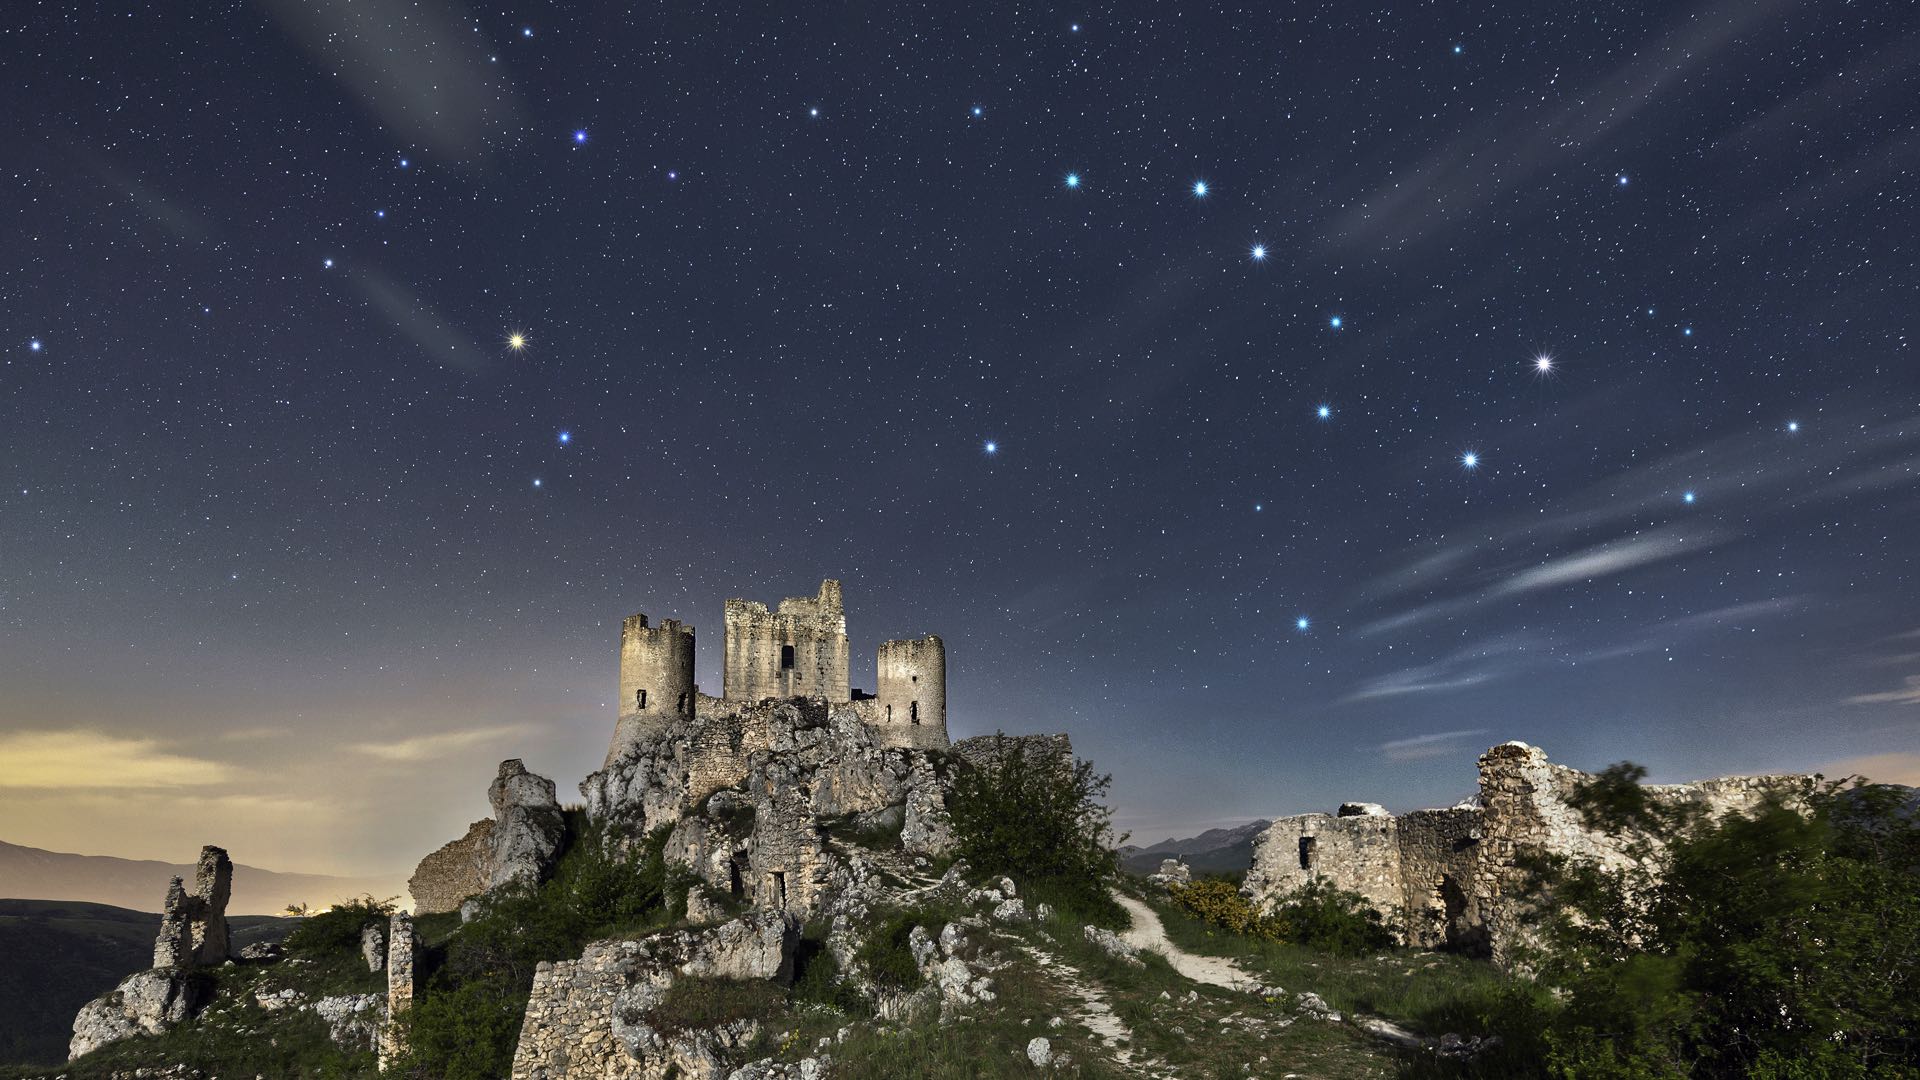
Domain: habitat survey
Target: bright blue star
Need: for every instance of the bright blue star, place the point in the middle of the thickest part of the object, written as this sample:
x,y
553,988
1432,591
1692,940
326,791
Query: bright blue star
x,y
1470,460
580,137
978,111
1687,498
1324,412
1075,28
1623,179
405,164
1793,427
34,345
672,174
1334,322
1688,332
1259,253
1301,623
526,31
326,264
381,214
1073,179
1199,189
1257,507
1456,50
536,481
991,447
814,112
565,437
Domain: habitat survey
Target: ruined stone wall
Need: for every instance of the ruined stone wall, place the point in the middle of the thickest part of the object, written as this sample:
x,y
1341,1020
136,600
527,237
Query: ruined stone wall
x,y
984,750
911,692
1439,851
400,947
1360,854
656,679
454,872
799,649
568,1028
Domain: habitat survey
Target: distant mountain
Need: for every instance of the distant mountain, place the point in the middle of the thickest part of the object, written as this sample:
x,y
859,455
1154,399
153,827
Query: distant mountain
x,y
1216,851
60,954
32,874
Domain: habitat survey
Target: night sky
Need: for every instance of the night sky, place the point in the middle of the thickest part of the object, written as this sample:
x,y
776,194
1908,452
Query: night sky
x,y
1287,401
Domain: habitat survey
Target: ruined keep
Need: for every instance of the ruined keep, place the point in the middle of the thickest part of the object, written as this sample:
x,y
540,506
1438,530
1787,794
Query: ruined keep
x,y
797,649
193,927
1453,877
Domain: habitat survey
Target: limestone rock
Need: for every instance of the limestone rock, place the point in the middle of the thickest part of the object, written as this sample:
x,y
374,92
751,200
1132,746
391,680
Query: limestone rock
x,y
1362,809
145,1003
1110,943
373,947
1040,1052
1171,872
1011,911
353,1020
528,828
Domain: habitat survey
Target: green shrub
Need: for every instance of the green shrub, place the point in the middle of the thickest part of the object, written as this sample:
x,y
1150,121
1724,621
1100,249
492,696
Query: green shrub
x,y
694,1003
1038,819
1781,943
465,1032
1323,917
1217,902
886,955
337,929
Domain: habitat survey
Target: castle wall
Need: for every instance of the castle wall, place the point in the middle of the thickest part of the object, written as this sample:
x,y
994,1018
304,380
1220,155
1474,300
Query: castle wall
x,y
799,649
911,692
1455,876
656,680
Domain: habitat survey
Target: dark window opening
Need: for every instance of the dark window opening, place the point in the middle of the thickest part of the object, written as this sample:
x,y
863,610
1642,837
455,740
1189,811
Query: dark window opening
x,y
915,678
640,700
734,885
889,712
786,658
682,707
913,711
780,886
1307,854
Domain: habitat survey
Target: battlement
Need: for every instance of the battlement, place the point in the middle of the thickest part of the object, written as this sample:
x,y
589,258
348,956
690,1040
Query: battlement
x,y
798,649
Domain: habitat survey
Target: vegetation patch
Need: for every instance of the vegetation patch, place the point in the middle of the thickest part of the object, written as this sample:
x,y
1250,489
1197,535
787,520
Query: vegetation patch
x,y
692,1004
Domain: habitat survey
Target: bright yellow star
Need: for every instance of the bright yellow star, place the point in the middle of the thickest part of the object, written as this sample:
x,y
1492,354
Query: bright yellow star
x,y
517,341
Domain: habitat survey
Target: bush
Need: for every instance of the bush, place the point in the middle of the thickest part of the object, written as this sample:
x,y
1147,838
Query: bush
x,y
1217,902
1323,917
1781,943
694,1003
337,929
1038,819
886,955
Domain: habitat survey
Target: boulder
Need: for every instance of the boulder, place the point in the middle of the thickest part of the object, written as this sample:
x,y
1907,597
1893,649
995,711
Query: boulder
x,y
528,828
145,1003
373,947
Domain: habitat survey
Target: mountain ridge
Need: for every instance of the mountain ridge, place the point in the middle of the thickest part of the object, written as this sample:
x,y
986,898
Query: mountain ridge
x,y
31,873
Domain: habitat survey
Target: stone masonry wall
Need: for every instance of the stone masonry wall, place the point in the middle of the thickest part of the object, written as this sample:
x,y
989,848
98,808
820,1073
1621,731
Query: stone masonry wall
x,y
755,665
456,871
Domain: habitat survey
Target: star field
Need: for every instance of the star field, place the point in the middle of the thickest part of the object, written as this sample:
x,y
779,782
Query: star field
x,y
1287,403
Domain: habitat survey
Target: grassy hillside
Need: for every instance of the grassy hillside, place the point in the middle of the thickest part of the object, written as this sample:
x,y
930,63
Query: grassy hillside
x,y
61,954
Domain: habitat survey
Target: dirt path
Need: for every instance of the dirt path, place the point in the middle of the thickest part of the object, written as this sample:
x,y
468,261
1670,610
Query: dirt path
x,y
1149,933
1089,1008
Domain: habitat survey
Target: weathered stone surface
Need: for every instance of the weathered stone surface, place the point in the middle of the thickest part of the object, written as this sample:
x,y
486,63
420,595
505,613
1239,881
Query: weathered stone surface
x,y
528,829
1040,1052
1453,876
145,1003
400,950
1171,872
456,871
1110,943
354,1021
586,1017
373,947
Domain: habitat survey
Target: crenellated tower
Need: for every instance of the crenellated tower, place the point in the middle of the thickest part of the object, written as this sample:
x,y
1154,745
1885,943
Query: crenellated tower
x,y
656,679
798,649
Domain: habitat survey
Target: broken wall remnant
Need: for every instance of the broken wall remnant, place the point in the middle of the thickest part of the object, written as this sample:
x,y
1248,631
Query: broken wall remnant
x,y
1455,877
797,649
400,948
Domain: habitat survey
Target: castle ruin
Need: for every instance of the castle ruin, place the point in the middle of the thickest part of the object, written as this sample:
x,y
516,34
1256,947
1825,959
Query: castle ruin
x,y
796,649
1454,877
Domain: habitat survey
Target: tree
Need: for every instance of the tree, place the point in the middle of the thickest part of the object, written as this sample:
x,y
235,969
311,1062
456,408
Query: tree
x,y
1036,816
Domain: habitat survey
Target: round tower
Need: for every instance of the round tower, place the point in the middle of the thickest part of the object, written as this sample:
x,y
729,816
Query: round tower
x,y
656,680
911,692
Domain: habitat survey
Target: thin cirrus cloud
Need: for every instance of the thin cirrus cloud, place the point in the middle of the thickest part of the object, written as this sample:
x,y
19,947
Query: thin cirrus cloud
x,y
431,747
1909,694
1458,670
1423,747
80,760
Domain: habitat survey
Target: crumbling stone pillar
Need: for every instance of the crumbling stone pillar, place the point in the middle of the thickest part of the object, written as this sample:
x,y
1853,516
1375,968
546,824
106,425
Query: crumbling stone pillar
x,y
213,883
399,985
174,947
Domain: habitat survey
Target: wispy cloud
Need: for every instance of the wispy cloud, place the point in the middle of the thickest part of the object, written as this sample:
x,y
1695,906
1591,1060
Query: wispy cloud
x,y
73,760
429,747
1421,747
1668,632
1457,671
1906,695
419,322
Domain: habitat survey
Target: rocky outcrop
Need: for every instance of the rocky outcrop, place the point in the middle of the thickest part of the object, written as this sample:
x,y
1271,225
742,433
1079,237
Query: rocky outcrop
x,y
193,932
145,1003
766,804
1454,876
528,829
456,871
589,1018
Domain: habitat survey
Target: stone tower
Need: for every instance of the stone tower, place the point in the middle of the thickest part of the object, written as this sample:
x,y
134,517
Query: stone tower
x,y
656,679
798,649
912,692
